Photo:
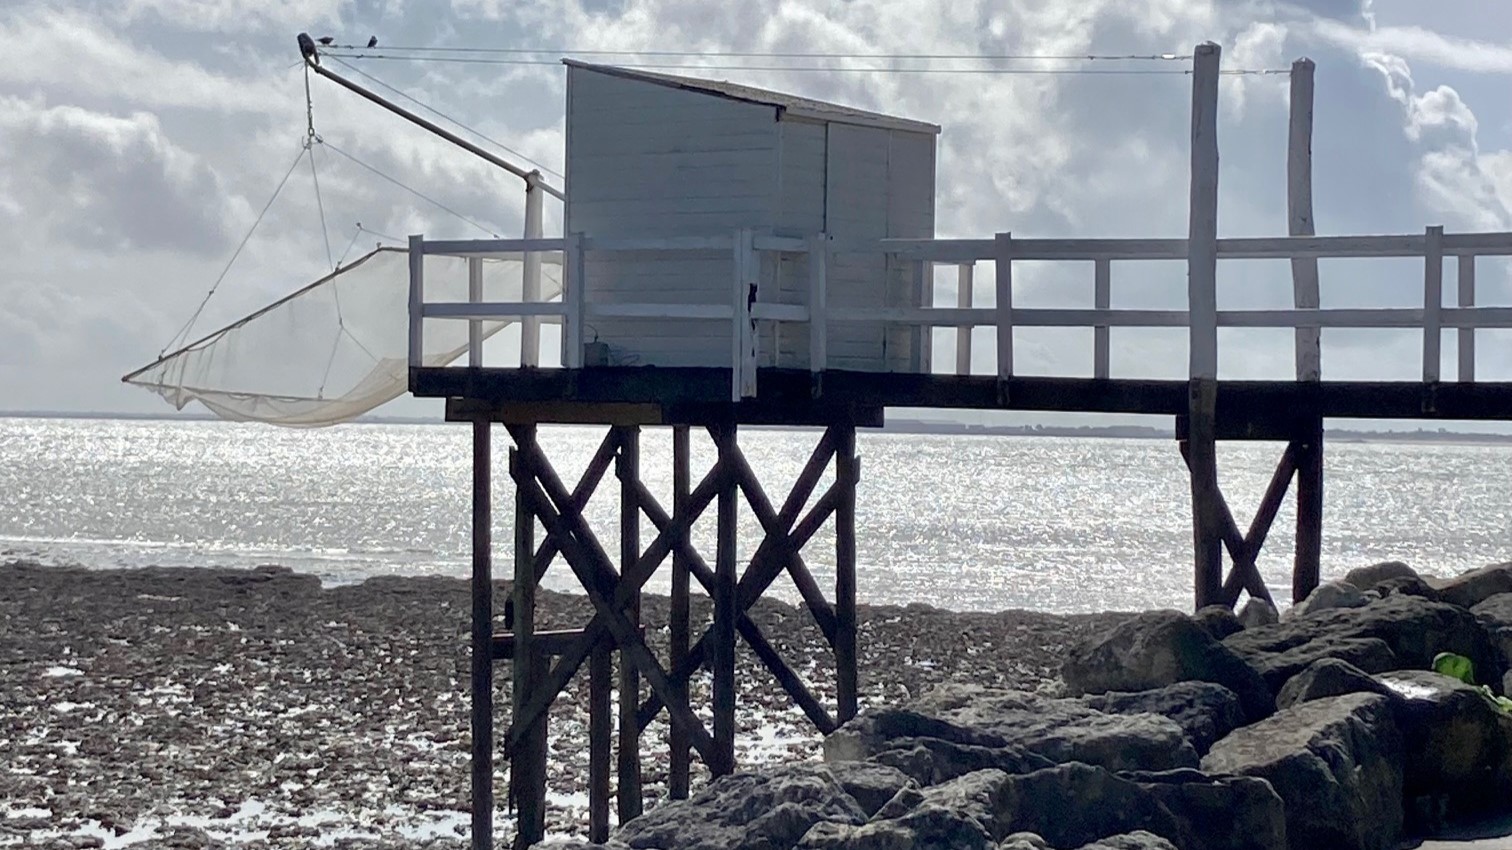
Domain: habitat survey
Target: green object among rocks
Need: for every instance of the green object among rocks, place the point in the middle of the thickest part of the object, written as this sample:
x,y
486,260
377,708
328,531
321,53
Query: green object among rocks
x,y
1459,667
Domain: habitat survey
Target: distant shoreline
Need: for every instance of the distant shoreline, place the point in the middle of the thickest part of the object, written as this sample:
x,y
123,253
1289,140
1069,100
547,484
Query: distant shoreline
x,y
895,426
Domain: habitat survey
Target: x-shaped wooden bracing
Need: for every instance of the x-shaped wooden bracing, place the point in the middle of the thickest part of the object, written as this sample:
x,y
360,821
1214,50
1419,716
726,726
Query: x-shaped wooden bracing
x,y
544,496
1244,549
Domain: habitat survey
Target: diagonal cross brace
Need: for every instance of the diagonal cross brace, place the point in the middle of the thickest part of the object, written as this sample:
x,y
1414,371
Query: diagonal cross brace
x,y
1244,549
573,657
589,482
765,564
596,572
747,628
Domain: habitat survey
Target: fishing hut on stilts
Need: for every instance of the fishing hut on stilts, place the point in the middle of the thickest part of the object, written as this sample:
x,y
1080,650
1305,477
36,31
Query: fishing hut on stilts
x,y
735,257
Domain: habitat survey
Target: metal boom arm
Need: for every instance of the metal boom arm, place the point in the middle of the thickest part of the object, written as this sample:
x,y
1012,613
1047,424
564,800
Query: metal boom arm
x,y
311,55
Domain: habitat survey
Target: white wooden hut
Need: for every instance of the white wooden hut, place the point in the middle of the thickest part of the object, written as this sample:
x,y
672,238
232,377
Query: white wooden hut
x,y
660,156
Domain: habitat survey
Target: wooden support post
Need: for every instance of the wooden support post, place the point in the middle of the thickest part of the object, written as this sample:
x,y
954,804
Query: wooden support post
x,y
600,732
1300,216
482,638
530,283
847,474
629,794
1202,301
678,628
528,761
1309,454
723,656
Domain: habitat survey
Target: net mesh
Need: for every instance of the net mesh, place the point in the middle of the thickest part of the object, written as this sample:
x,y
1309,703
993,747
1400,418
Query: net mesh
x,y
339,347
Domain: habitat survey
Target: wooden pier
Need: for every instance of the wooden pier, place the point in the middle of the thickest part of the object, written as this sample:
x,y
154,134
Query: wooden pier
x,y
783,333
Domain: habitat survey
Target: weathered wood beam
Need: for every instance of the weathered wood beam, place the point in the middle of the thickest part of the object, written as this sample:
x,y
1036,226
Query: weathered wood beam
x,y
722,652
785,675
678,627
561,673
1305,569
1245,574
595,571
627,469
587,483
847,476
482,632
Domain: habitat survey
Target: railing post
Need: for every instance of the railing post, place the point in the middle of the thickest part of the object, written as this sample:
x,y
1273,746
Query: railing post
x,y
818,302
1102,299
530,283
1433,302
1003,259
574,281
743,326
474,326
1466,264
923,286
416,301
965,283
1300,216
1202,310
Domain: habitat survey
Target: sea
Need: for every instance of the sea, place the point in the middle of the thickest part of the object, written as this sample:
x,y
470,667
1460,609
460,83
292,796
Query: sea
x,y
967,522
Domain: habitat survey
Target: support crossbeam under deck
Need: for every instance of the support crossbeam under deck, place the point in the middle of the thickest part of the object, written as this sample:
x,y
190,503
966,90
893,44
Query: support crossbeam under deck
x,y
658,395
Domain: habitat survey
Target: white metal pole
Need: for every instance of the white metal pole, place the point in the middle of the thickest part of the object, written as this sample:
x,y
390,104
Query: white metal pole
x,y
1300,216
1202,238
530,326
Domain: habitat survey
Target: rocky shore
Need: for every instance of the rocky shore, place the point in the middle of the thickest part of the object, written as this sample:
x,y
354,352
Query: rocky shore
x,y
200,707
1366,718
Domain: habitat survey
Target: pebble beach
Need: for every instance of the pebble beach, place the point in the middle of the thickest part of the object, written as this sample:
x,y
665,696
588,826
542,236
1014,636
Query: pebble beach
x,y
198,707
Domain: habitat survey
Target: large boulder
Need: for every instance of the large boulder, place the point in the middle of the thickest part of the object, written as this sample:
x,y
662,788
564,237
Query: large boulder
x,y
772,810
1218,620
1327,677
1138,840
1160,648
928,827
1204,711
1073,804
1335,762
956,728
1366,578
1495,615
1330,594
1458,747
1258,612
1398,632
1468,590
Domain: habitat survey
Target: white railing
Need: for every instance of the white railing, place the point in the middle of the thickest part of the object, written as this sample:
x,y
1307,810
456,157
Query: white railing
x,y
746,309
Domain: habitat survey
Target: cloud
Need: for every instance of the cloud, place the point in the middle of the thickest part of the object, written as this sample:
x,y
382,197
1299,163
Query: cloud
x,y
72,54
107,183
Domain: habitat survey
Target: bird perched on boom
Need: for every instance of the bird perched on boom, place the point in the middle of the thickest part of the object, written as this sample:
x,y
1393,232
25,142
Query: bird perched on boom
x,y
326,40
373,41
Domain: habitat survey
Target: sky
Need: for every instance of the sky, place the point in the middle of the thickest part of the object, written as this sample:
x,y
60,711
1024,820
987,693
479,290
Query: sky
x,y
142,139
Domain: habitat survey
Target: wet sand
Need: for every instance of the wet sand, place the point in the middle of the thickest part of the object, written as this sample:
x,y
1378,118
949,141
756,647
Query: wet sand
x,y
192,707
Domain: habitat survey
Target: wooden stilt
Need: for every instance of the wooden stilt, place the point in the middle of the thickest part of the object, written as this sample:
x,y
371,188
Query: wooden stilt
x,y
1309,453
482,637
600,730
629,793
528,761
678,778
1207,525
723,650
847,475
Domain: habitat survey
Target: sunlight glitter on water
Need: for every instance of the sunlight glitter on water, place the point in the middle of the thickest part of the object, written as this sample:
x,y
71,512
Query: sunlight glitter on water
x,y
969,522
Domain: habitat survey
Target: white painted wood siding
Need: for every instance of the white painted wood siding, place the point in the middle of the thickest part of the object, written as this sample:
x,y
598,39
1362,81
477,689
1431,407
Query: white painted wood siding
x,y
645,160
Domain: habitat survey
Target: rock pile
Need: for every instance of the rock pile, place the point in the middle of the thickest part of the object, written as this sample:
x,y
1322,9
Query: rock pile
x,y
1326,728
